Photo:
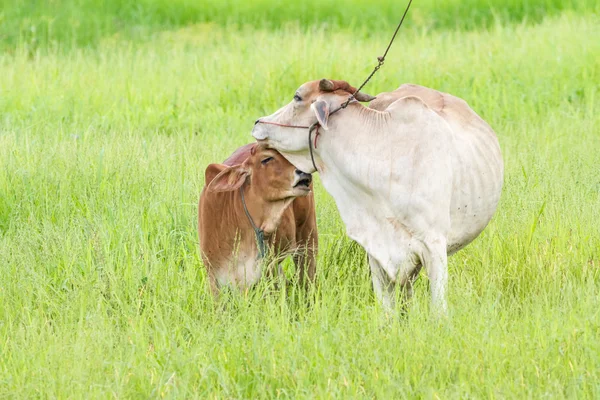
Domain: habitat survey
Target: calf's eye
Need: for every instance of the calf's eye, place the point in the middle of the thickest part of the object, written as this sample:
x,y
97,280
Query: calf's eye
x,y
297,98
266,160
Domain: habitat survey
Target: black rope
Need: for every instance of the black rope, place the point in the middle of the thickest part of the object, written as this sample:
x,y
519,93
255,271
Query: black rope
x,y
351,98
380,59
310,146
259,233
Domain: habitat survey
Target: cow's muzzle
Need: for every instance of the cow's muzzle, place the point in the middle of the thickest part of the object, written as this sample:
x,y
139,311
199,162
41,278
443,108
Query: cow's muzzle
x,y
302,179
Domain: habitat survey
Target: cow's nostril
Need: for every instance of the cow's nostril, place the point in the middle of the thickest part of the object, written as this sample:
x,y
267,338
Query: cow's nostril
x,y
304,179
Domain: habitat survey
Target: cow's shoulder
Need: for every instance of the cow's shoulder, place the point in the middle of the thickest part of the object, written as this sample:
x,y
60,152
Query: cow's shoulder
x,y
430,97
449,107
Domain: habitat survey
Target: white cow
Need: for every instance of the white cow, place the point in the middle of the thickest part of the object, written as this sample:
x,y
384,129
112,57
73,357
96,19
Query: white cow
x,y
416,177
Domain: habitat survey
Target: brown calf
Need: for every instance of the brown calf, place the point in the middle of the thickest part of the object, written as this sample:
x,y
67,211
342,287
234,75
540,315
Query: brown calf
x,y
279,202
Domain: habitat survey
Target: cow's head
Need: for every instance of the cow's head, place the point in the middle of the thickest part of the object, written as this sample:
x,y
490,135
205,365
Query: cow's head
x,y
312,102
270,174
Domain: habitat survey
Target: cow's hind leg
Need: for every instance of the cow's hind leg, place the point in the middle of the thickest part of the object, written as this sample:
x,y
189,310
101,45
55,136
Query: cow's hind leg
x,y
435,261
408,282
383,286
395,281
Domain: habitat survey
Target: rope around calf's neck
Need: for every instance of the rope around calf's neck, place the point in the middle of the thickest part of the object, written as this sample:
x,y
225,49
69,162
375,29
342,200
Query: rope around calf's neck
x,y
259,233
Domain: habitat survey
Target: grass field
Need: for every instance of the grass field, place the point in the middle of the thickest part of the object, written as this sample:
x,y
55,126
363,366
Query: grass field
x,y
109,115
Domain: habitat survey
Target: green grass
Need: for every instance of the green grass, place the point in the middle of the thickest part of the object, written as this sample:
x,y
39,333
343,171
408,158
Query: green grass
x,y
72,23
102,157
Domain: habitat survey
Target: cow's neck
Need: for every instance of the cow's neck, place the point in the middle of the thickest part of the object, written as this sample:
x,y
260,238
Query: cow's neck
x,y
345,147
266,215
347,163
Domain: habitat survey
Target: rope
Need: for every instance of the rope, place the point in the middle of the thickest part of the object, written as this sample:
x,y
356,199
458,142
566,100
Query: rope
x,y
259,233
315,126
380,59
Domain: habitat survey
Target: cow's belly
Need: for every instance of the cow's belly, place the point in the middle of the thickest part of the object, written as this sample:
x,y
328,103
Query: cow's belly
x,y
469,216
394,228
477,185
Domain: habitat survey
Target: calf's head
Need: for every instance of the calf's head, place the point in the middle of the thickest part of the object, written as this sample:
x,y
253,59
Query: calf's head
x,y
312,102
269,173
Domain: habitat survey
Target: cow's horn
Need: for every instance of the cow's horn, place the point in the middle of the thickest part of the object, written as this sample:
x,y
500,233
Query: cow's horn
x,y
363,97
326,85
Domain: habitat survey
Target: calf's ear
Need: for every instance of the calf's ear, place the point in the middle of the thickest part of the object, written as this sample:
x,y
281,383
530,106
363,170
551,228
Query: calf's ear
x,y
231,178
321,109
211,171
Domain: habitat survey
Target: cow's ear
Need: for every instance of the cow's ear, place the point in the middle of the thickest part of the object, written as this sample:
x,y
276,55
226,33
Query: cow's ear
x,y
231,178
211,171
321,109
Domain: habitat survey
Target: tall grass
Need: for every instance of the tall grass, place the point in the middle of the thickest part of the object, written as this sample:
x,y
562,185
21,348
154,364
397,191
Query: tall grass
x,y
102,154
39,24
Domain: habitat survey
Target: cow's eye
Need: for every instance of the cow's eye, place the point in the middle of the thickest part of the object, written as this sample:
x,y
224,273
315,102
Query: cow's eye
x,y
297,97
266,160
